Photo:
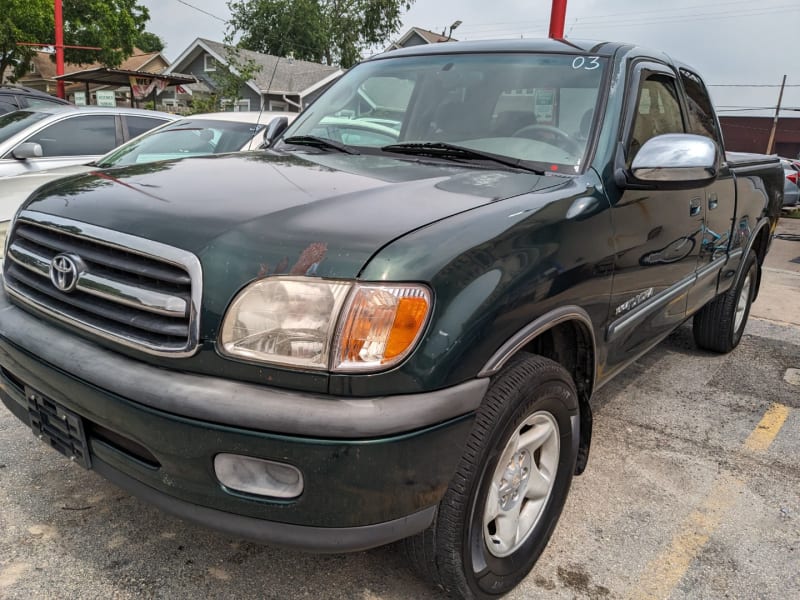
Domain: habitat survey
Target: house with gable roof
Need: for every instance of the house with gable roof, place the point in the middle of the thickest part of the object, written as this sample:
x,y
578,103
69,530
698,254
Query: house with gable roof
x,y
416,36
280,84
42,75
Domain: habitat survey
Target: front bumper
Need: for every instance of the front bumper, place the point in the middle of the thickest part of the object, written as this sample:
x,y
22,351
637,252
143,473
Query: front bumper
x,y
374,469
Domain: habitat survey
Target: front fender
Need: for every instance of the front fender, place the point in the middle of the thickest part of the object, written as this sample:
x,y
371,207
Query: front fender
x,y
494,270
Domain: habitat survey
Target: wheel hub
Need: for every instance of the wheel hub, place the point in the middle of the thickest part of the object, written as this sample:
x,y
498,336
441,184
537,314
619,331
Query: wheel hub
x,y
515,480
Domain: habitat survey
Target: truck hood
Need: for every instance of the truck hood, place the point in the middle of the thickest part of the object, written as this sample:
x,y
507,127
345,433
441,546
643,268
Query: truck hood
x,y
248,215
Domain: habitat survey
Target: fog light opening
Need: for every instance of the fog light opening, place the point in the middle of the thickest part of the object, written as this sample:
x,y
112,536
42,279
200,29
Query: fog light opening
x,y
258,476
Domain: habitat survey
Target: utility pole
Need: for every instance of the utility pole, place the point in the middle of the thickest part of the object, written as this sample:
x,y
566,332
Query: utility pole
x,y
558,15
775,120
60,47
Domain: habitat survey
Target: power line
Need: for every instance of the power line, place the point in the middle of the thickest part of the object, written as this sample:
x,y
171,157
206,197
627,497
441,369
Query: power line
x,y
721,110
596,22
633,18
692,17
596,18
205,12
751,85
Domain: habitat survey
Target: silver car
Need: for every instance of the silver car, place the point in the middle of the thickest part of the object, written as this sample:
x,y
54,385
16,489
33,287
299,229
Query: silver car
x,y
212,133
45,138
791,182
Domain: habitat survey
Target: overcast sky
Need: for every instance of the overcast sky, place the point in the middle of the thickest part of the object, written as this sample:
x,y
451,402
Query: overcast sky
x,y
737,42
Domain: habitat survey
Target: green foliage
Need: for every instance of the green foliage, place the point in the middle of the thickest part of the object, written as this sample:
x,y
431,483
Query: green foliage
x,y
113,25
149,42
333,31
22,21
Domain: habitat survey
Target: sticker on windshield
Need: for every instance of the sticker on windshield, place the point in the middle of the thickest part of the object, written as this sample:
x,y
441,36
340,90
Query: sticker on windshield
x,y
587,63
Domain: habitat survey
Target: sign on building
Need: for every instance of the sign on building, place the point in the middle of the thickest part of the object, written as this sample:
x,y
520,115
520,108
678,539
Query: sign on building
x,y
106,98
80,98
144,86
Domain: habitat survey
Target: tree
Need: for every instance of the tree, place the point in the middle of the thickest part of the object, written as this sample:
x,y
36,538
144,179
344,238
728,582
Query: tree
x,y
113,25
150,42
333,31
22,21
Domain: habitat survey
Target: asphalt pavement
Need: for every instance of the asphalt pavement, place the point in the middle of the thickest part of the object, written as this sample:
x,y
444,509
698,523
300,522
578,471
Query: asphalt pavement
x,y
692,491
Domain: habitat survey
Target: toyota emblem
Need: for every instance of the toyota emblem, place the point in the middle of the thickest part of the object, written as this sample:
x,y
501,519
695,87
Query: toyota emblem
x,y
65,269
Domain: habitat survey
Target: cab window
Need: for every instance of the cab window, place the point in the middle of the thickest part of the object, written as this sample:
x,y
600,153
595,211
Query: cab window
x,y
658,111
701,119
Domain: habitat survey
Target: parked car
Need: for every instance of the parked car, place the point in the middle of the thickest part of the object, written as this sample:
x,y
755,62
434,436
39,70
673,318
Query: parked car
x,y
196,135
211,133
45,138
333,346
16,97
791,184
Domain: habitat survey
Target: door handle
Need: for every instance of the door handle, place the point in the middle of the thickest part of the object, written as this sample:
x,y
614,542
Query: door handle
x,y
695,204
713,201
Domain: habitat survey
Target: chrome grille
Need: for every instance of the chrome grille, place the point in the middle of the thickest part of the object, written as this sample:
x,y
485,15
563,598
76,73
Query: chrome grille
x,y
140,293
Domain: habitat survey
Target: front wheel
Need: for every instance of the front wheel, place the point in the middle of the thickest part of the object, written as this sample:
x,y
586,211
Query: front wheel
x,y
719,325
506,497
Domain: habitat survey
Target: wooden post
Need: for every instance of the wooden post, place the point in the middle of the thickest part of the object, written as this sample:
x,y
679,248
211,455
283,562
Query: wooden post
x,y
775,120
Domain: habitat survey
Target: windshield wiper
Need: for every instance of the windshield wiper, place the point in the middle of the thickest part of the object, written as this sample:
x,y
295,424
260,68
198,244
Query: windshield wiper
x,y
318,142
445,150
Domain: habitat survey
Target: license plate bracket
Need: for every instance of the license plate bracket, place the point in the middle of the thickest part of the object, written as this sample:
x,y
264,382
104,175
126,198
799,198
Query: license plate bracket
x,y
58,427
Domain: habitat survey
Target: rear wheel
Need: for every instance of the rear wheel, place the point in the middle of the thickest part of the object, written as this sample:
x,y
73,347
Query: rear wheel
x,y
506,497
719,325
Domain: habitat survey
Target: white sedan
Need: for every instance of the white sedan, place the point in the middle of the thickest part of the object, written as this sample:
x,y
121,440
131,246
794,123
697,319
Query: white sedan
x,y
197,135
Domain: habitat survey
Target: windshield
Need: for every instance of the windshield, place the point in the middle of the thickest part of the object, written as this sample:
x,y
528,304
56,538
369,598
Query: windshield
x,y
14,122
184,138
536,108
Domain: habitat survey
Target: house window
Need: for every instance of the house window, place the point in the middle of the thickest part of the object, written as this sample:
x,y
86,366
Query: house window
x,y
278,105
32,68
238,106
209,63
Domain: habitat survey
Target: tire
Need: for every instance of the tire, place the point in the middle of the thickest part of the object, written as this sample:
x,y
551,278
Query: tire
x,y
467,551
719,325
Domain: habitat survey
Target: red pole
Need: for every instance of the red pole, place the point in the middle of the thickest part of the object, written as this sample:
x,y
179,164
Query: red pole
x,y
557,17
60,47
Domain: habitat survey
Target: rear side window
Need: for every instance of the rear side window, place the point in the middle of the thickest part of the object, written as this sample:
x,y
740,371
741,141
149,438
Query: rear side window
x,y
701,113
84,135
139,125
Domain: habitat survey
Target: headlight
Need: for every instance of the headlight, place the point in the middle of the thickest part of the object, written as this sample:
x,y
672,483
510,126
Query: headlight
x,y
285,321
293,321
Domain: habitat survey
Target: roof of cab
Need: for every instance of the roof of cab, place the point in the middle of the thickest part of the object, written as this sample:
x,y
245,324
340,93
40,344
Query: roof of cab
x,y
523,45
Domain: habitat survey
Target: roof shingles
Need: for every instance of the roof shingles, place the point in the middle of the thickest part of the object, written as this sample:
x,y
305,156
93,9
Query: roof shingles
x,y
278,74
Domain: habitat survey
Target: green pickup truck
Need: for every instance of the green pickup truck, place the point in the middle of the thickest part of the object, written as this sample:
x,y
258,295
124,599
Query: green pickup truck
x,y
389,324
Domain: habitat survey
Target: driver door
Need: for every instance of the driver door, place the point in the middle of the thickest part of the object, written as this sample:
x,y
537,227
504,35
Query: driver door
x,y
658,233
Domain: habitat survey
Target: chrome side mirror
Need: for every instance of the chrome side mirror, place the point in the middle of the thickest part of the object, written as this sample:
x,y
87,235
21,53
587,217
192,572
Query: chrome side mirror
x,y
679,158
27,150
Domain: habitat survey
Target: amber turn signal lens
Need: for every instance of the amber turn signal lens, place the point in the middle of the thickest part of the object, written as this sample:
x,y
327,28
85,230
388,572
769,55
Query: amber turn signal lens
x,y
381,324
408,321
